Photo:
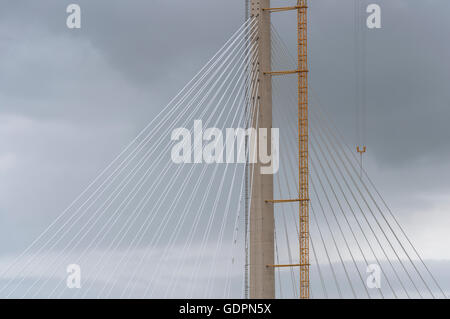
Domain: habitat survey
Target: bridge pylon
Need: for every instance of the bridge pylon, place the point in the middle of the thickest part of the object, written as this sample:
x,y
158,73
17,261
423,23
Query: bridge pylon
x,y
262,276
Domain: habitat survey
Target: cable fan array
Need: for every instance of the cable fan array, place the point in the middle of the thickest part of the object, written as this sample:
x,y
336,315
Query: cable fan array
x,y
146,226
352,228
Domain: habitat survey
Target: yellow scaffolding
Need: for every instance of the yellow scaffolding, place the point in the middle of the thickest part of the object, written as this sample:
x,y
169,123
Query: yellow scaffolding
x,y
303,137
303,170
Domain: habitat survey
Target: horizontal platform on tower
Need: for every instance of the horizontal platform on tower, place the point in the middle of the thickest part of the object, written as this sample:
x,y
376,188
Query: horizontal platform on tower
x,y
288,265
275,73
281,9
286,200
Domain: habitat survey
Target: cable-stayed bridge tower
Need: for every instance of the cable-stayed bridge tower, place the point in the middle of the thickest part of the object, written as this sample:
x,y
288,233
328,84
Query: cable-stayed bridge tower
x,y
262,282
262,278
174,229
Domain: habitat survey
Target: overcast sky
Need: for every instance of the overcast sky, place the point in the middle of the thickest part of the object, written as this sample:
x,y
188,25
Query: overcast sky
x,y
70,100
